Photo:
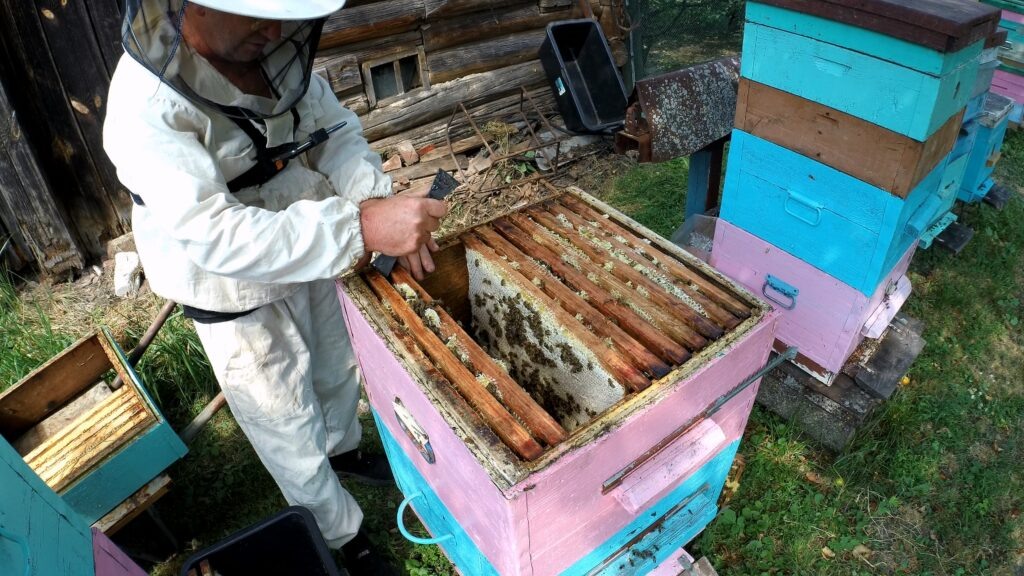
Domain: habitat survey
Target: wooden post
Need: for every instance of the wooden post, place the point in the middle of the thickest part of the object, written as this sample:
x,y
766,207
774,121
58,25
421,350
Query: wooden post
x,y
27,204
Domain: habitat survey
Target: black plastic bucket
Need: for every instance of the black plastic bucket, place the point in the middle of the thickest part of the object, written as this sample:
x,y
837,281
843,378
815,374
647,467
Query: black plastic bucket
x,y
286,544
584,79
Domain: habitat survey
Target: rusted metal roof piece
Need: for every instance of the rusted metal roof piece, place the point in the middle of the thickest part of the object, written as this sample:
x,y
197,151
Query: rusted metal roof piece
x,y
688,109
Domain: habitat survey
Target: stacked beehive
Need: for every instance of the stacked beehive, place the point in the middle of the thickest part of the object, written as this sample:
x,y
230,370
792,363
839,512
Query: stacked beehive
x,y
847,113
985,123
1008,80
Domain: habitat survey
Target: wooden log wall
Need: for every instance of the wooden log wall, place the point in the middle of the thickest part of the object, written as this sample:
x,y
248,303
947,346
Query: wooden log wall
x,y
479,52
59,55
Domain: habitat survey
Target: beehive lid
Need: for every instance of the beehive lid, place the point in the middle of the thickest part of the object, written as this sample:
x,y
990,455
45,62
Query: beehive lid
x,y
943,25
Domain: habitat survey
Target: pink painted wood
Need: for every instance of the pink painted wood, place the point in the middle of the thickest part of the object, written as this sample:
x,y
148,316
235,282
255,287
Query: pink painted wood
x,y
1013,17
487,515
830,318
109,560
1009,85
557,515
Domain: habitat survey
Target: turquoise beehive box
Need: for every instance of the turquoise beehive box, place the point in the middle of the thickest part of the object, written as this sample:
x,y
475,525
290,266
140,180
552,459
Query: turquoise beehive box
x,y
845,227
911,84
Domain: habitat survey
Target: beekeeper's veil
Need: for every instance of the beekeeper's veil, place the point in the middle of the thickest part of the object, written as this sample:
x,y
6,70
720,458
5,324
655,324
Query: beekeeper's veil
x,y
152,35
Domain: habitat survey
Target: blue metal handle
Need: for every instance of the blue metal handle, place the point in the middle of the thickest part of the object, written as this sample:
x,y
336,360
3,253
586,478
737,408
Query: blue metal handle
x,y
783,288
24,548
401,524
807,203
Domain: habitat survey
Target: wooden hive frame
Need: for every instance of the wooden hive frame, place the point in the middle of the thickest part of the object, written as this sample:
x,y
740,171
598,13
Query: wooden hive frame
x,y
641,312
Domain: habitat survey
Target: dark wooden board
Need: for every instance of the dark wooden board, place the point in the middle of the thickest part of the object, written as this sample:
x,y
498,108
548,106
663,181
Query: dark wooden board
x,y
901,344
106,19
49,387
484,55
354,24
943,25
880,157
27,207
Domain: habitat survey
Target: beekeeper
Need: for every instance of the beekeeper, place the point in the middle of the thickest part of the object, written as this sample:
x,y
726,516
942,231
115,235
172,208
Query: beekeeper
x,y
253,189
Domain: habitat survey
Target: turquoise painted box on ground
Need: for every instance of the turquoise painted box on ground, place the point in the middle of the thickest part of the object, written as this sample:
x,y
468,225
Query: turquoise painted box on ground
x,y
902,86
93,445
847,228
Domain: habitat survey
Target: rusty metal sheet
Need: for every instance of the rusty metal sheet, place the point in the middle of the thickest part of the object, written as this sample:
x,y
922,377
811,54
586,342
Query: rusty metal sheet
x,y
688,109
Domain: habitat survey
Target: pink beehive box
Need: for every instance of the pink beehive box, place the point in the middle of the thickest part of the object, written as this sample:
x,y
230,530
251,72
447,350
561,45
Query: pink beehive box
x,y
642,460
820,315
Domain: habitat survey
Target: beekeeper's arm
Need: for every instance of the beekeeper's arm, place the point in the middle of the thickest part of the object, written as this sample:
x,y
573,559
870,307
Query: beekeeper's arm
x,y
355,172
160,157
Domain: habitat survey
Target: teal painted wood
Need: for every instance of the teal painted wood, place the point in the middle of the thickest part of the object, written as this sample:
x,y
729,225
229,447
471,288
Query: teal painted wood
x,y
131,467
127,470
57,538
989,141
683,514
699,177
842,226
913,56
893,96
431,510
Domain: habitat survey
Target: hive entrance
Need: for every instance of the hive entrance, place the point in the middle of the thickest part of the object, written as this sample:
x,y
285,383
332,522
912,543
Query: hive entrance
x,y
545,319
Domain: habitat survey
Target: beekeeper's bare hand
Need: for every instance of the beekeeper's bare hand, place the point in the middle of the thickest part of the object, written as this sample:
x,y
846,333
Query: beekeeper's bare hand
x,y
400,225
420,263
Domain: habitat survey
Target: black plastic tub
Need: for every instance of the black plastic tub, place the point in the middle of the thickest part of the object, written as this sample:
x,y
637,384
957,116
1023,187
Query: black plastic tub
x,y
584,79
286,544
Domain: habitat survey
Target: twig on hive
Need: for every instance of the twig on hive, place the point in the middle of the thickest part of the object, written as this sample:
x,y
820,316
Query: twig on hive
x,y
718,314
627,319
493,413
564,303
629,279
537,419
677,269
657,317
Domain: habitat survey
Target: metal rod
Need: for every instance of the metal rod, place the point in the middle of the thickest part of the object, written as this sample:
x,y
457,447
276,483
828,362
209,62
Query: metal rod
x,y
146,340
196,425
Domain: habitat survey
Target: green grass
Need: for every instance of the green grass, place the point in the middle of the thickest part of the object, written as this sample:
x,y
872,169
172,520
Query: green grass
x,y
27,337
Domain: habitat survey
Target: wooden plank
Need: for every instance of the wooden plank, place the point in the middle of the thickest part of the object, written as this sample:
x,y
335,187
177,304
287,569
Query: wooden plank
x,y
626,318
620,291
492,412
423,105
439,10
62,418
509,18
134,505
481,56
425,169
85,81
683,273
28,204
943,25
881,157
106,17
627,360
48,119
47,388
341,72
430,137
627,272
367,21
510,393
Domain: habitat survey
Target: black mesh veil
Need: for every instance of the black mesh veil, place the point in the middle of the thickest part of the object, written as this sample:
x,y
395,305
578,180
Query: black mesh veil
x,y
152,35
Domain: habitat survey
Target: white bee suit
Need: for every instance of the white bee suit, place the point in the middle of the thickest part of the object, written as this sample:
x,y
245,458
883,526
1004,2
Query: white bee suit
x,y
287,368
